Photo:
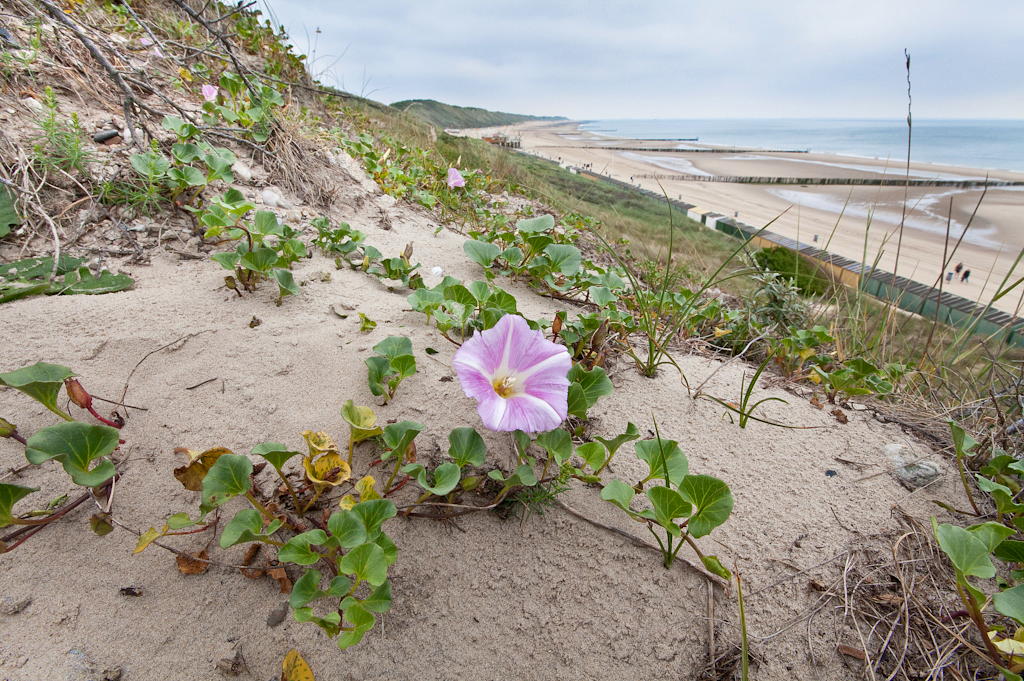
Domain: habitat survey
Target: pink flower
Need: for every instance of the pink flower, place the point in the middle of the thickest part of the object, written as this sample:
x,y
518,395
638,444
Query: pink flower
x,y
210,92
455,179
518,378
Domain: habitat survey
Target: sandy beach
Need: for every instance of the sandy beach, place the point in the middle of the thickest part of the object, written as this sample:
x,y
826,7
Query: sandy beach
x,y
859,222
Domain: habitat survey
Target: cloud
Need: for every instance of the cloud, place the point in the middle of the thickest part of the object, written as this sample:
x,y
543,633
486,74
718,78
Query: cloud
x,y
673,59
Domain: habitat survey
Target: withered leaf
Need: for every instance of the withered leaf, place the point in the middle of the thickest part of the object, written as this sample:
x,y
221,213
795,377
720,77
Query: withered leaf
x,y
193,565
816,403
887,598
840,416
281,576
251,553
852,652
191,474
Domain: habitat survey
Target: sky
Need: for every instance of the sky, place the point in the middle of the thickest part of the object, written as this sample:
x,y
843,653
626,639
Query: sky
x,y
671,58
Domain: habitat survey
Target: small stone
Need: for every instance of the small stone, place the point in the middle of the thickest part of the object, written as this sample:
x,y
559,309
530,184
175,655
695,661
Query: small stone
x,y
242,171
277,615
908,471
233,663
273,198
32,103
12,606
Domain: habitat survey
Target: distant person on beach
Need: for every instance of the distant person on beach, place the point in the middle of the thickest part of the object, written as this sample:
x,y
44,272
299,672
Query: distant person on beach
x,y
815,238
949,276
965,276
959,267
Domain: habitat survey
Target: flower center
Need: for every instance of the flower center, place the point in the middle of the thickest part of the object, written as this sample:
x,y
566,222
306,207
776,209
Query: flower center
x,y
505,386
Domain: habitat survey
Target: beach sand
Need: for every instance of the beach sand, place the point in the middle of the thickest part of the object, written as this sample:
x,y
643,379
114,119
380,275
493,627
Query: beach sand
x,y
867,230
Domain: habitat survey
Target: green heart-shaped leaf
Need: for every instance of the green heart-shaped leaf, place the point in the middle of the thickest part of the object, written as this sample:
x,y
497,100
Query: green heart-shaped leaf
x,y
564,258
591,386
535,225
660,454
41,381
275,453
259,259
347,528
76,445
481,252
618,493
286,285
227,478
711,499
557,443
380,599
446,477
373,513
466,447
298,550
991,534
388,547
398,436
378,368
593,453
9,496
613,445
668,505
394,346
967,552
246,526
1011,603
366,562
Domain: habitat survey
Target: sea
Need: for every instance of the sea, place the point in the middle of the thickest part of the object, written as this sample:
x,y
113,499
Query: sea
x,y
973,143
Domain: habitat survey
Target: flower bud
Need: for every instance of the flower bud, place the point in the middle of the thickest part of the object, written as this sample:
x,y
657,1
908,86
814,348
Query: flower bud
x,y
7,428
78,394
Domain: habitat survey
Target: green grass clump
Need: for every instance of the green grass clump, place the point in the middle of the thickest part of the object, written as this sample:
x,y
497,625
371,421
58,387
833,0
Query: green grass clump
x,y
790,265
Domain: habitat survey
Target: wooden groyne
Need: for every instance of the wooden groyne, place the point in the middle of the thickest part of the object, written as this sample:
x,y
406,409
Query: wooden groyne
x,y
870,181
906,294
688,150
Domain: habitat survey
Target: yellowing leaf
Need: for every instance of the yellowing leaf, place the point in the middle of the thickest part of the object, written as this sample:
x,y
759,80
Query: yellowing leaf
x,y
295,668
347,502
327,469
319,442
1010,646
367,488
147,538
362,421
185,75
199,464
722,332
813,377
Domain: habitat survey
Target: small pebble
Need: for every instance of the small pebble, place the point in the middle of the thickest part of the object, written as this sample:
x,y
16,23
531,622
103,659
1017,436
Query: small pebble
x,y
12,606
242,171
277,615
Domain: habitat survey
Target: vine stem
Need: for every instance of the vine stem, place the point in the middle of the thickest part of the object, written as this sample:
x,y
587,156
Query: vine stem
x,y
259,506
